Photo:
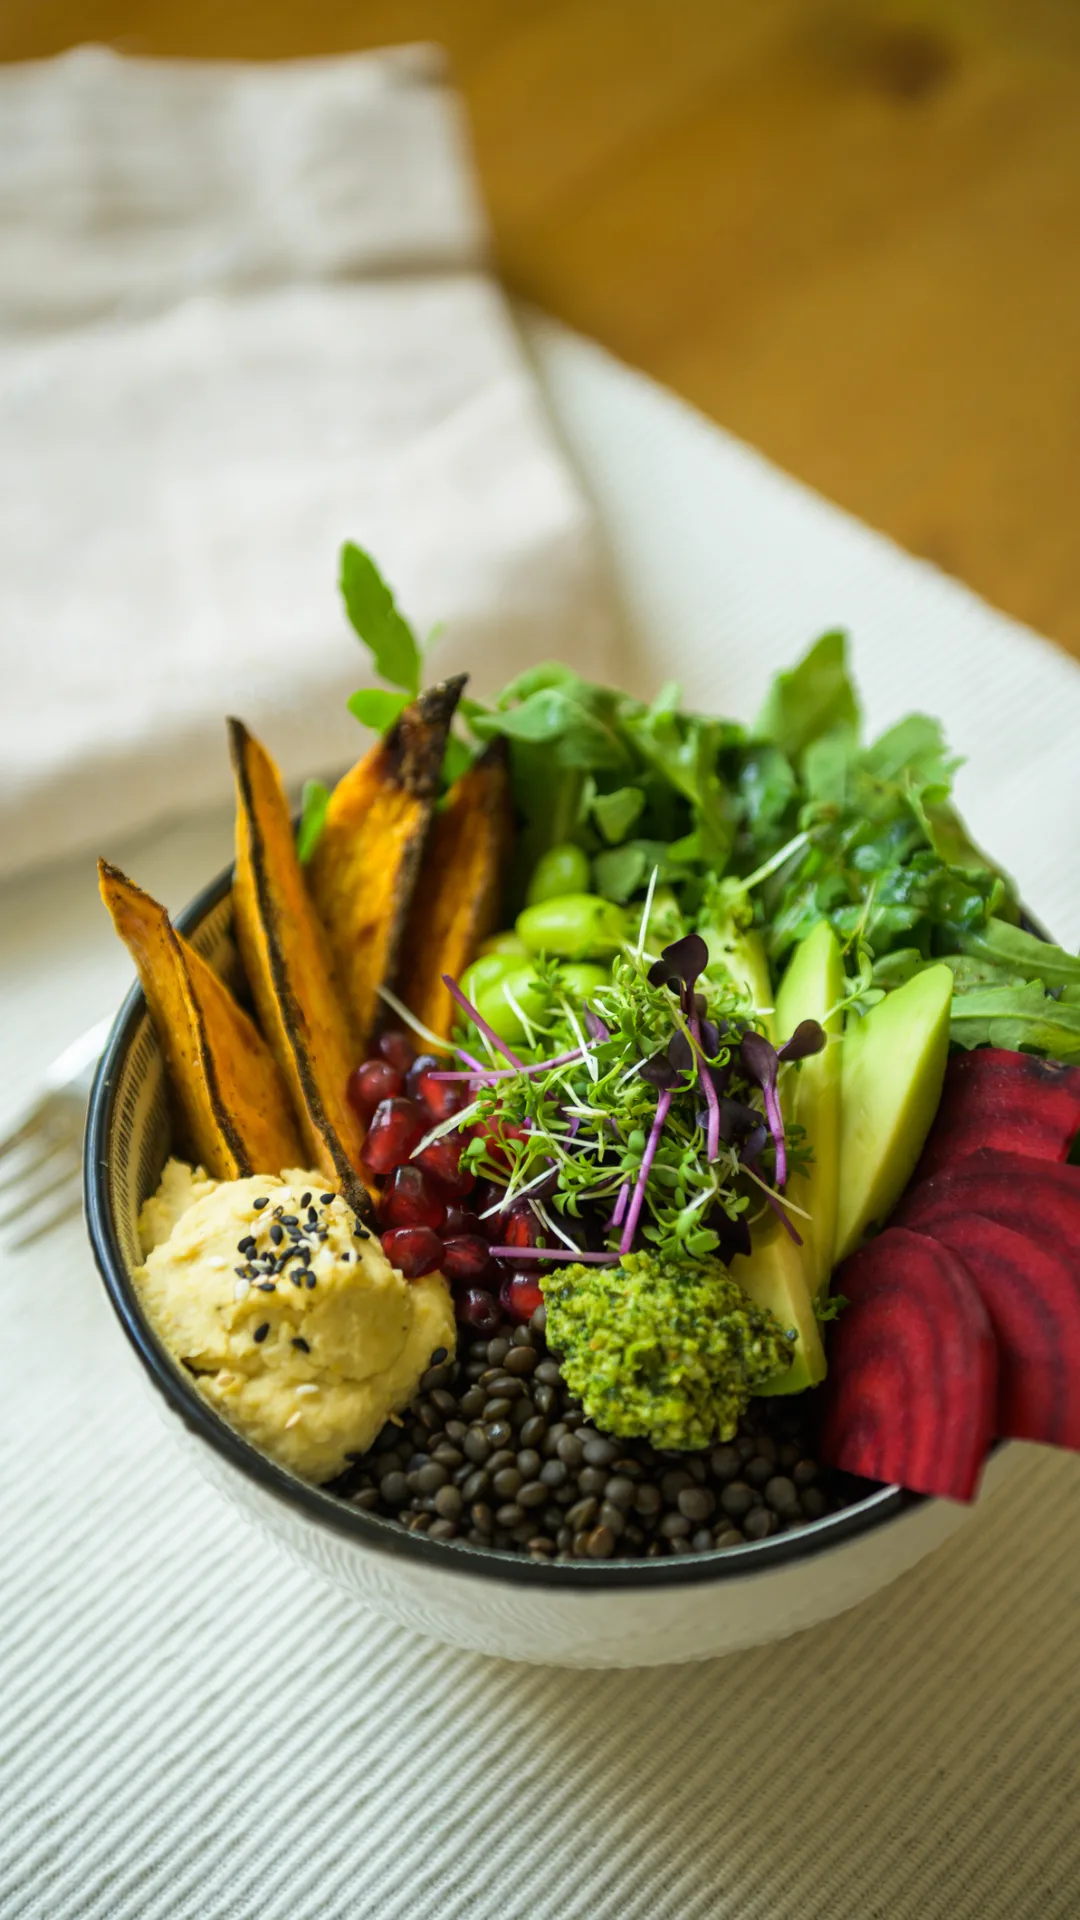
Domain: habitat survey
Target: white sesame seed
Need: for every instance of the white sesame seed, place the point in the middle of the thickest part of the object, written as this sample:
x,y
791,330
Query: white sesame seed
x,y
292,1419
241,1289
217,1263
307,1386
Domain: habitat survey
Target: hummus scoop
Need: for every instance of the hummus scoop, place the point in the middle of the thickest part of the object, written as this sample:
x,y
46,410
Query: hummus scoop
x,y
297,1328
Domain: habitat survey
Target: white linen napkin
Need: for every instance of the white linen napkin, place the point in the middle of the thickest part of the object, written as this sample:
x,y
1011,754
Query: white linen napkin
x,y
244,315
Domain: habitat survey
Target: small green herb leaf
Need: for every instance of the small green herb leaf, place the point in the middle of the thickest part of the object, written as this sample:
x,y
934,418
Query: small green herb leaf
x,y
377,707
812,698
370,606
615,813
313,804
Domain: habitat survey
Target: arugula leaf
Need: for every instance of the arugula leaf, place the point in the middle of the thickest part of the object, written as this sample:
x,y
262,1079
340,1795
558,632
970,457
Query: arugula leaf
x,y
370,606
567,718
620,871
313,804
1015,1017
685,749
810,699
1004,945
615,813
826,766
376,707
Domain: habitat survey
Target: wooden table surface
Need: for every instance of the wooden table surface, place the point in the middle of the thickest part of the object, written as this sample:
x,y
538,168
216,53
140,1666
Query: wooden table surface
x,y
849,230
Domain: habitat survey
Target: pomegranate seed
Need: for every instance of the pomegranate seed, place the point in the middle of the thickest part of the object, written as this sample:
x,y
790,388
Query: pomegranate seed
x,y
522,1228
397,1126
408,1201
520,1296
442,1163
439,1098
398,1049
376,1080
459,1221
479,1309
414,1251
466,1257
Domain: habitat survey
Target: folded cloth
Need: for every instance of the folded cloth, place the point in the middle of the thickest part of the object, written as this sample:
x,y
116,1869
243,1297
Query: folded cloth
x,y
244,316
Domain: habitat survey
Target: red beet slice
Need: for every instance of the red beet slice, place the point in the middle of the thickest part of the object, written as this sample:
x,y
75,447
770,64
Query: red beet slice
x,y
1033,1197
1032,1295
911,1393
1012,1102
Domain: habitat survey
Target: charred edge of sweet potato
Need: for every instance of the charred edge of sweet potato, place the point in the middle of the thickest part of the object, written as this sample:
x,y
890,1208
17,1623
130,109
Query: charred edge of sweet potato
x,y
414,747
458,895
213,1134
293,1024
364,872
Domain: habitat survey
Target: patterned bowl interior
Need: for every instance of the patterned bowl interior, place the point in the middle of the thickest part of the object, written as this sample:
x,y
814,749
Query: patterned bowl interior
x,y
141,1136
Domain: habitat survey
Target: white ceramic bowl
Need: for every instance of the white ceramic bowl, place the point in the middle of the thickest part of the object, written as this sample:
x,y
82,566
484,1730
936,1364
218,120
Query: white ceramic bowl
x,y
621,1613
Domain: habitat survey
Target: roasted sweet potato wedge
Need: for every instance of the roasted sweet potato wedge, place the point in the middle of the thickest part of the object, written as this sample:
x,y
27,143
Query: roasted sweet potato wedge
x,y
283,948
364,869
233,1101
456,901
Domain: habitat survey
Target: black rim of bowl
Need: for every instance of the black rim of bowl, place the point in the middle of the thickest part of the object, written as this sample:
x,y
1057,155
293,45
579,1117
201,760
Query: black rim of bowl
x,y
377,1532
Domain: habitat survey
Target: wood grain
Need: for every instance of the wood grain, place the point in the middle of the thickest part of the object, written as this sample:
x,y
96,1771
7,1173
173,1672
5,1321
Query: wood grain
x,y
850,232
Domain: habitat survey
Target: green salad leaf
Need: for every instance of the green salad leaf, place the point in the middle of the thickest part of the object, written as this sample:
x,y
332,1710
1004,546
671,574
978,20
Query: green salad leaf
x,y
313,804
810,699
373,613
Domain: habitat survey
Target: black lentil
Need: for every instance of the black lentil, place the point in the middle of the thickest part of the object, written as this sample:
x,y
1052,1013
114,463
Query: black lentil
x,y
495,1452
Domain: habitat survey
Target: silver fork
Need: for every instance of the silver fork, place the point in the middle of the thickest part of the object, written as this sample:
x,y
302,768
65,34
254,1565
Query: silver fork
x,y
41,1157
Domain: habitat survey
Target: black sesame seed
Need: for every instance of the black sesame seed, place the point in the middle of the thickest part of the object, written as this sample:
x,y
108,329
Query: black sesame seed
x,y
326,1198
265,1286
302,1347
277,1234
305,1200
260,1204
247,1244
440,1353
261,1332
289,1220
310,1281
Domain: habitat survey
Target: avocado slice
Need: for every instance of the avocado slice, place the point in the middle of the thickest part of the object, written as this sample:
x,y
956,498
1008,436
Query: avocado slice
x,y
892,1074
774,1276
812,989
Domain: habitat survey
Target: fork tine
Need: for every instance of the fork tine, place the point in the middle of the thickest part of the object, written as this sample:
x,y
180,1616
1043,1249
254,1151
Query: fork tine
x,y
56,1218
22,1172
32,1196
28,1128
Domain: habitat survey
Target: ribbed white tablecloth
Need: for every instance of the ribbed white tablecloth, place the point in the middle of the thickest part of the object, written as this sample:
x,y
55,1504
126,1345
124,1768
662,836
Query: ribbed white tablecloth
x,y
191,1729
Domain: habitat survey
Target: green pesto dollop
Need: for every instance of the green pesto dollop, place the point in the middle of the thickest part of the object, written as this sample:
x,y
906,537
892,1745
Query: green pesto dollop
x,y
669,1351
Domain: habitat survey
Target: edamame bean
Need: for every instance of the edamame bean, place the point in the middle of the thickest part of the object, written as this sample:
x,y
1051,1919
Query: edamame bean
x,y
494,1007
562,869
483,974
579,978
573,926
507,942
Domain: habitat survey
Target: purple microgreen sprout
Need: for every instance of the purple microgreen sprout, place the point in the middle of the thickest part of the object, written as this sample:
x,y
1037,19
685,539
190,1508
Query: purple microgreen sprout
x,y
595,1027
555,1253
759,1059
808,1038
480,1072
621,1203
663,1107
481,1025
